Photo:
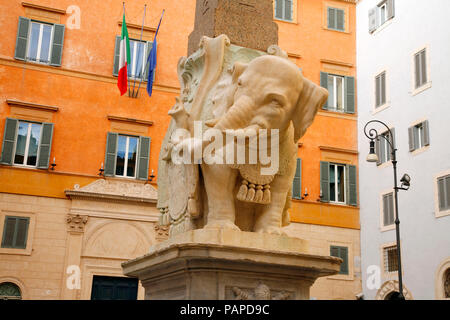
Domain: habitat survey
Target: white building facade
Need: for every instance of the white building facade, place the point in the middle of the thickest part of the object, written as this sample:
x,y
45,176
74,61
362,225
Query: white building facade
x,y
403,72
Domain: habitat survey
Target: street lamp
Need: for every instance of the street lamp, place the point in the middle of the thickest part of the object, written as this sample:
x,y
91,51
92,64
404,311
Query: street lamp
x,y
373,135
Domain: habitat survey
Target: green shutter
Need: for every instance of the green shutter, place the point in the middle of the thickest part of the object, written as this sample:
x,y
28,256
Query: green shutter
x,y
324,84
297,183
378,91
45,146
110,156
373,19
441,194
411,139
390,9
340,19
116,56
350,94
15,232
21,233
426,133
288,10
331,18
279,9
334,251
344,256
9,141
22,39
8,232
57,45
386,210
378,144
144,156
352,188
325,181
392,140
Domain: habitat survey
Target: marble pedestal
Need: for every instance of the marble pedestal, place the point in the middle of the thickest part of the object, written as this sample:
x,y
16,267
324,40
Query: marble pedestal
x,y
227,264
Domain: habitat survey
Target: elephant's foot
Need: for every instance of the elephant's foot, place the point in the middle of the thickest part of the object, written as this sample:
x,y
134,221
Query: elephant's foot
x,y
271,229
221,224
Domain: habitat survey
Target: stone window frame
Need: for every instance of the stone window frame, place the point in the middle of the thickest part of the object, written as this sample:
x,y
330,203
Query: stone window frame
x,y
384,228
294,13
428,84
437,212
31,227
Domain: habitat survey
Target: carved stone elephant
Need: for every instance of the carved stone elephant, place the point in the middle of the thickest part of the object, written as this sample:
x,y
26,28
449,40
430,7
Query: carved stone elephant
x,y
267,93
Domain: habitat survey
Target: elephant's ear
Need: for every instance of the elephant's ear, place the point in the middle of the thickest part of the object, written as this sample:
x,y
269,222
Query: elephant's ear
x,y
238,69
311,99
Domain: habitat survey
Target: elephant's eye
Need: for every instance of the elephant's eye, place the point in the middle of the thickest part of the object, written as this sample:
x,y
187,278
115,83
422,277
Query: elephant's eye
x,y
239,82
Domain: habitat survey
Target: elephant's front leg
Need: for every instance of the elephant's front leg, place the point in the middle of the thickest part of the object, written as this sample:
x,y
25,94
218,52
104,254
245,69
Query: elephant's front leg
x,y
220,182
269,217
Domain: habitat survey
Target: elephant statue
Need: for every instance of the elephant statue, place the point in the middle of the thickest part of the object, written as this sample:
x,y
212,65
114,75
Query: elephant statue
x,y
267,93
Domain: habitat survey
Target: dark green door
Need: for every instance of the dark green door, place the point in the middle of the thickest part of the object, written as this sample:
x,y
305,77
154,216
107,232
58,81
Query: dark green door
x,y
114,288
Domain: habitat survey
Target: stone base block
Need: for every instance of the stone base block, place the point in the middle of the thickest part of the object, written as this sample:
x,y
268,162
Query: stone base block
x,y
226,264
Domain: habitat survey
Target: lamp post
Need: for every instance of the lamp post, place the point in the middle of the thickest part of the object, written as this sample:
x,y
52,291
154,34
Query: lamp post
x,y
373,135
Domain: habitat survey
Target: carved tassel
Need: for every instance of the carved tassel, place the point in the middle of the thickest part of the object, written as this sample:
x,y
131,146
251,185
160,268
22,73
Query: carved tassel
x,y
192,208
242,194
267,195
250,193
258,194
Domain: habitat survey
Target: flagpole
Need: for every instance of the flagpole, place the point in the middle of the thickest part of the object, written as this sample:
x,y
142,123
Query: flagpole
x,y
128,79
156,32
138,57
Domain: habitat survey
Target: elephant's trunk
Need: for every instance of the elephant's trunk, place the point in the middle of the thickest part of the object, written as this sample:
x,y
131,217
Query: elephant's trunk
x,y
238,116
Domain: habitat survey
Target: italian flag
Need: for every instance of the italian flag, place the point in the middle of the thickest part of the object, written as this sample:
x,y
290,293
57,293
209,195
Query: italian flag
x,y
124,59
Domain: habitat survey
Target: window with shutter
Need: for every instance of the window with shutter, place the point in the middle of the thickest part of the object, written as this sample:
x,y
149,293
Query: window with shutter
x,y
39,42
27,143
380,14
444,192
341,252
335,19
284,9
15,232
297,183
144,156
383,148
388,209
380,89
324,181
338,183
419,136
420,68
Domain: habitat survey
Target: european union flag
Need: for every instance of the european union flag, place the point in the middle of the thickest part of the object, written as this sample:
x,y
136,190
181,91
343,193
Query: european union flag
x,y
152,61
152,67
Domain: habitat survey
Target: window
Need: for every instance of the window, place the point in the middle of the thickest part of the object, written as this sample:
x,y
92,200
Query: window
x,y
297,183
383,148
340,252
336,19
444,192
127,156
380,14
447,284
39,42
27,143
380,89
388,209
419,136
338,183
9,291
139,51
284,10
420,68
15,232
390,259
341,92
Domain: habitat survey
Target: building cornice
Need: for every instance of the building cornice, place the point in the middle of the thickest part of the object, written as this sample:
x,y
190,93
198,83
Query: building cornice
x,y
30,105
43,8
130,120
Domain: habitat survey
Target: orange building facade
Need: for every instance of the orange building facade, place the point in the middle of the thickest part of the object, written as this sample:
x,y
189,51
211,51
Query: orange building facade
x,y
69,217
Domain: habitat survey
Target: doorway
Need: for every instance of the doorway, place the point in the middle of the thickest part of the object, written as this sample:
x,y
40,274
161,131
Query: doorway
x,y
114,288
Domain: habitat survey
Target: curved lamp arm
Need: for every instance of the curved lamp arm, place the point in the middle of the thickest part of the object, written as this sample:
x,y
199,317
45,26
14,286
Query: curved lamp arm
x,y
372,133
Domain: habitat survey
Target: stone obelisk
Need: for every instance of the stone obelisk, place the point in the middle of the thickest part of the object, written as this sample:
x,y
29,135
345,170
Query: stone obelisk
x,y
247,23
